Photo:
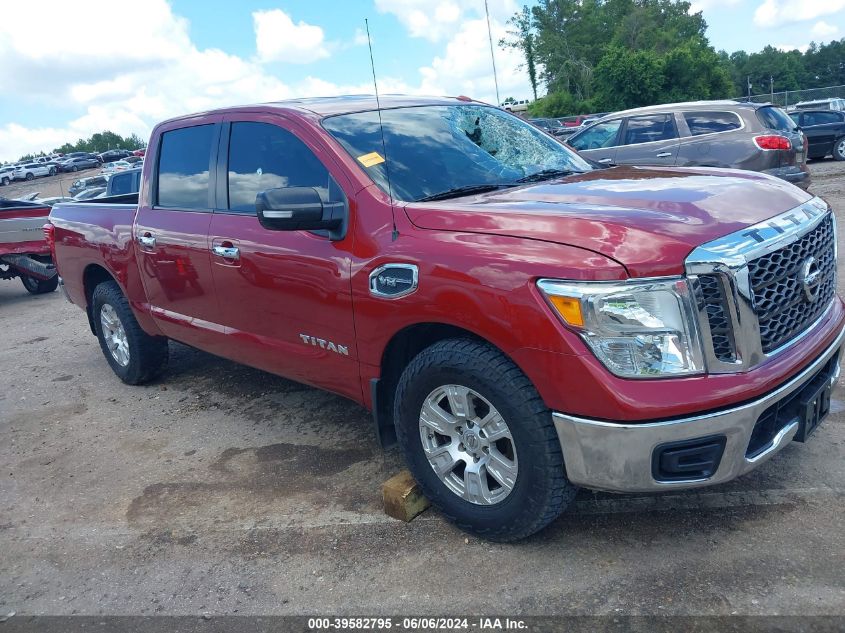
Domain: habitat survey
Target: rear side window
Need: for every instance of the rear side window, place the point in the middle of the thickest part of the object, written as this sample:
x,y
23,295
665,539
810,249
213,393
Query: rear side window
x,y
183,167
647,129
775,119
821,118
264,156
711,122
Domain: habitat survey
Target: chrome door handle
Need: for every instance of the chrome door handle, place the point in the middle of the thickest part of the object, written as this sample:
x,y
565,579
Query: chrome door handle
x,y
147,240
228,252
605,161
664,154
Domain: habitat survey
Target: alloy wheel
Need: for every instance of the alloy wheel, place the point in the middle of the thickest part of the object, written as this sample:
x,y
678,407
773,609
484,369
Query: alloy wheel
x,y
114,335
468,444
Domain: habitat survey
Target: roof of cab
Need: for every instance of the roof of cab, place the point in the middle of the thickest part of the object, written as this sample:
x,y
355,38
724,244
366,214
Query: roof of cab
x,y
345,104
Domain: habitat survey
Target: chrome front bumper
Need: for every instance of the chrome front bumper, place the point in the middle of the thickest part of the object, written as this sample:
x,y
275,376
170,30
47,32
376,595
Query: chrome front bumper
x,y
618,457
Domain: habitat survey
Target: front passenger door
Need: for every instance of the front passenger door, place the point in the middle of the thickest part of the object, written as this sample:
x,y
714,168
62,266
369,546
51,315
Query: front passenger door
x,y
285,296
649,140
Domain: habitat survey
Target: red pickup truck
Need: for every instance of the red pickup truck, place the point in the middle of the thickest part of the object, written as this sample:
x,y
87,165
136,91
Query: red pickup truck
x,y
522,323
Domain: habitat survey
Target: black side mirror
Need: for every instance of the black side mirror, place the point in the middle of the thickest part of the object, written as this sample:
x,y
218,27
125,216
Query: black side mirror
x,y
299,209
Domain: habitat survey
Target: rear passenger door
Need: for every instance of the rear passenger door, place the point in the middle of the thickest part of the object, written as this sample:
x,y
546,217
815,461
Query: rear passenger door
x,y
650,139
285,296
171,235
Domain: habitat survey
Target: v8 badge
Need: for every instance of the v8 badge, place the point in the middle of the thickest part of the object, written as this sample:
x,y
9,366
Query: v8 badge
x,y
392,281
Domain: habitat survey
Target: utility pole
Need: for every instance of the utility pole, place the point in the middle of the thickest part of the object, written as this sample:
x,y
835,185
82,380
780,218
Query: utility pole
x,y
772,88
492,56
748,81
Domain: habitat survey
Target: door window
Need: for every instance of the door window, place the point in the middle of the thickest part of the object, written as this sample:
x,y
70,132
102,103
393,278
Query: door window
x,y
599,136
820,118
647,129
264,156
183,167
711,122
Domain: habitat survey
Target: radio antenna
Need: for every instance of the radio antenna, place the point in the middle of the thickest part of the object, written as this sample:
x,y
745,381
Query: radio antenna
x,y
381,128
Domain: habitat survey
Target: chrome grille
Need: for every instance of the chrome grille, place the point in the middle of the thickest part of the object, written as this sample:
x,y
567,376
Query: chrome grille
x,y
783,310
711,299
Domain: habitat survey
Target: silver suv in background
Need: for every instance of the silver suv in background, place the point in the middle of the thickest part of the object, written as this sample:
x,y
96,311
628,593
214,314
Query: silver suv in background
x,y
757,137
821,104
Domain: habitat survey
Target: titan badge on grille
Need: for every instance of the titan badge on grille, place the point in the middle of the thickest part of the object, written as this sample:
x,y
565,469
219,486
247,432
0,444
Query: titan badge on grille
x,y
758,290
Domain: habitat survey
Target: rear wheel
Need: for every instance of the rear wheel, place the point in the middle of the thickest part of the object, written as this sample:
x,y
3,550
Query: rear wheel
x,y
4,182
30,175
135,356
39,286
480,441
839,149
74,168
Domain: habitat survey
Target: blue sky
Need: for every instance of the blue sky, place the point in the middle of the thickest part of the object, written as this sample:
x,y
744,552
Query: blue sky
x,y
171,57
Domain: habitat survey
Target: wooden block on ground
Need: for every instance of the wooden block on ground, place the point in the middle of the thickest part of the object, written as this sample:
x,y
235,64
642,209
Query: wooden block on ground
x,y
403,498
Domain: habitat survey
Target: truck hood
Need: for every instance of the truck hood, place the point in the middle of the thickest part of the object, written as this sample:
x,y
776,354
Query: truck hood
x,y
648,219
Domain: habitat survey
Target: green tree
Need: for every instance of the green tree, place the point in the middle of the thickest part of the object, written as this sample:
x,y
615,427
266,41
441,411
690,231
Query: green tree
x,y
629,79
521,37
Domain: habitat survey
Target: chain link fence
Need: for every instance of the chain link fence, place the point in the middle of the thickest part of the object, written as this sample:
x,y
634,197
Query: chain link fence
x,y
791,97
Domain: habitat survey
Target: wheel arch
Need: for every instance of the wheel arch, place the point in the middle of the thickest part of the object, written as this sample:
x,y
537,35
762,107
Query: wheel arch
x,y
93,276
400,349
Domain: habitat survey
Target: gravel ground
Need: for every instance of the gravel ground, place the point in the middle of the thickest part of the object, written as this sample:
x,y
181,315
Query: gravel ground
x,y
47,186
220,489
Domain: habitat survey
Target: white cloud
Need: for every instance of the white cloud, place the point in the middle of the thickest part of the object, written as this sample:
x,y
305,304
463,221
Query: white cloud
x,y
777,12
360,38
704,5
792,47
465,66
278,39
438,20
107,83
823,29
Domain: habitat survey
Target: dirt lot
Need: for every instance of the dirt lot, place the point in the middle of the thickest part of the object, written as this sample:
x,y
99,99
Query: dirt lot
x,y
222,489
47,186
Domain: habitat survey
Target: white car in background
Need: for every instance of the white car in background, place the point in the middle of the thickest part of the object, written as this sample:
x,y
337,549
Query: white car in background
x,y
116,166
31,171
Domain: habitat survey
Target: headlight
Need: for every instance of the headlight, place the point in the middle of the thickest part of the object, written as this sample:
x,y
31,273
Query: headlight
x,y
638,329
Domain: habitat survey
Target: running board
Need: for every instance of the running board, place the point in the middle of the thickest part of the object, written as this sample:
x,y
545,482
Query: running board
x,y
30,266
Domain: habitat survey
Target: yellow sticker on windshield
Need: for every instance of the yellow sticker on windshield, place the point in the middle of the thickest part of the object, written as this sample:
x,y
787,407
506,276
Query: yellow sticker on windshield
x,y
373,158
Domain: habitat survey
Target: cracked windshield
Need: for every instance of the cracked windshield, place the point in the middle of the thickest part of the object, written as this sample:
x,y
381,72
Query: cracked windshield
x,y
438,152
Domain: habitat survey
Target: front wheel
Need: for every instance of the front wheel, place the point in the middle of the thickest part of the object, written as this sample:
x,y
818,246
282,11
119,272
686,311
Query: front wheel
x,y
30,176
39,286
135,356
74,168
4,182
480,441
839,149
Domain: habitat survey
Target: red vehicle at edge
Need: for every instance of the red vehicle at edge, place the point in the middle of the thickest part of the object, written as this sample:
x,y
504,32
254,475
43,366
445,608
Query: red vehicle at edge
x,y
24,252
521,323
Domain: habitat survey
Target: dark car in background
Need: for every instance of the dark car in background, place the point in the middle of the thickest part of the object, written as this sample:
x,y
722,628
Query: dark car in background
x,y
825,130
552,126
86,161
752,136
113,155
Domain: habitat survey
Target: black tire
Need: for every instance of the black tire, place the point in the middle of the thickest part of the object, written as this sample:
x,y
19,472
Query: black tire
x,y
541,491
147,354
4,182
52,171
839,149
39,286
74,168
30,175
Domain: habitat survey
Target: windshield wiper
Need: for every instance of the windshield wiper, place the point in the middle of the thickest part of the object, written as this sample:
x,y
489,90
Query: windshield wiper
x,y
548,174
464,191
